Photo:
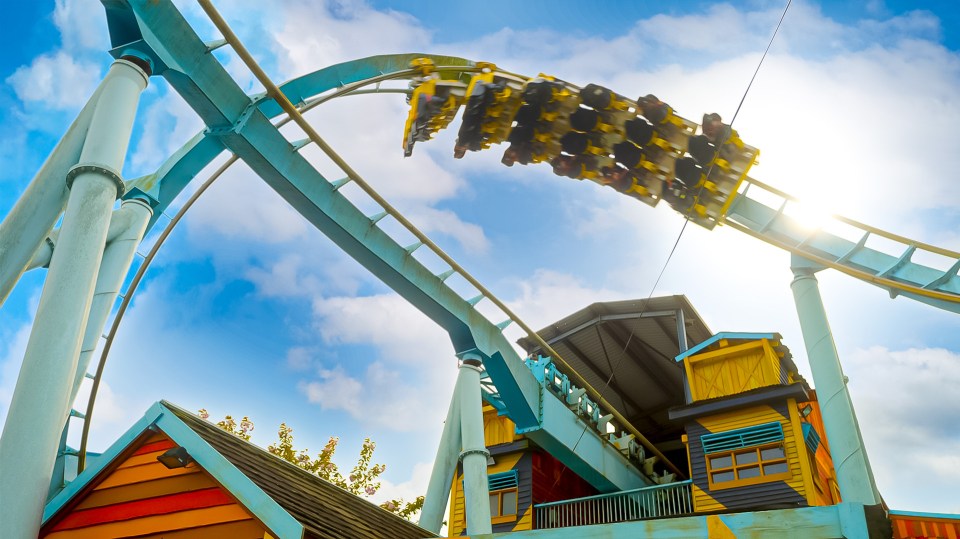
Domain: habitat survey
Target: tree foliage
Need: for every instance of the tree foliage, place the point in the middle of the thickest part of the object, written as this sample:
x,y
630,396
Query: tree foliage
x,y
363,479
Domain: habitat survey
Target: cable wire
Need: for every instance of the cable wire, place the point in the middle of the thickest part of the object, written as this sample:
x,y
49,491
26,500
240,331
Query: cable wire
x,y
643,305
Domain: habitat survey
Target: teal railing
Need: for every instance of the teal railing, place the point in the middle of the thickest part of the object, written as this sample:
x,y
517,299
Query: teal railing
x,y
672,499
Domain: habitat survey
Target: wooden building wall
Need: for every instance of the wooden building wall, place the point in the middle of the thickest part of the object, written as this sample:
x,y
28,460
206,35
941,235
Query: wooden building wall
x,y
519,461
141,497
923,526
786,492
498,430
825,490
734,369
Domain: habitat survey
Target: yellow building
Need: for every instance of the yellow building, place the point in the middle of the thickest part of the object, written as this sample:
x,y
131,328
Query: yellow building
x,y
754,437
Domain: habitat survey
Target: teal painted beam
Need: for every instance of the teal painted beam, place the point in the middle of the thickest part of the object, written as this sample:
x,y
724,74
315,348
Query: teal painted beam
x,y
234,118
760,219
251,136
302,88
164,185
569,439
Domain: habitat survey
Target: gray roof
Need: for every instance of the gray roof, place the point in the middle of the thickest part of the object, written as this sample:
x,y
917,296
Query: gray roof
x,y
637,340
324,509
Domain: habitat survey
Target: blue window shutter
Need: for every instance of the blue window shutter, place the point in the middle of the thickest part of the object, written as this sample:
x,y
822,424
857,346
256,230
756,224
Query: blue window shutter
x,y
502,480
746,437
810,437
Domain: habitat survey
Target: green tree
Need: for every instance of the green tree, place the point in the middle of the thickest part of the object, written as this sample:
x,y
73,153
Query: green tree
x,y
363,479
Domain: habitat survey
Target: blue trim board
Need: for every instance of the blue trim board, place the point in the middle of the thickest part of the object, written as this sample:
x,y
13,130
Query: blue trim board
x,y
105,460
918,514
729,335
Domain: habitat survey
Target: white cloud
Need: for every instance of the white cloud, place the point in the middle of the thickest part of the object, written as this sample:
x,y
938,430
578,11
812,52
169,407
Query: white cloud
x,y
416,485
549,295
285,278
382,397
239,205
351,29
403,334
168,123
448,223
81,25
58,81
906,402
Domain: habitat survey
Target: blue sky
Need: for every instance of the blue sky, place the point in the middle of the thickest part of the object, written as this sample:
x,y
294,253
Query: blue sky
x,y
248,310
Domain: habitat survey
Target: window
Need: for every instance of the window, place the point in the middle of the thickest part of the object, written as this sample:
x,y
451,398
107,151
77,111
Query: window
x,y
503,497
503,506
745,456
747,466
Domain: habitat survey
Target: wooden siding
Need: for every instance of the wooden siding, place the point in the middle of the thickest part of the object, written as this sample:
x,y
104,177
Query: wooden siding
x,y
521,462
826,491
497,429
142,497
732,370
923,526
774,493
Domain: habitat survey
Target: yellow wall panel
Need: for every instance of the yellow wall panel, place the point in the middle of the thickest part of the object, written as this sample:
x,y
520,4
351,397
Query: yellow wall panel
x,y
758,415
732,370
497,429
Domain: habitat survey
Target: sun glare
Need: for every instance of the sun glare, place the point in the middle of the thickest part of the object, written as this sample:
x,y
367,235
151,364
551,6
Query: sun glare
x,y
812,210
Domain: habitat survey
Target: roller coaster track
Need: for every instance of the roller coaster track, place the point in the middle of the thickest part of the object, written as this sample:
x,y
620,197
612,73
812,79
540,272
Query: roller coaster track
x,y
240,124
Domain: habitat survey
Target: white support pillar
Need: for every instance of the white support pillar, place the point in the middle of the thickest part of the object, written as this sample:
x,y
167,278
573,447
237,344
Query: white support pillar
x,y
476,489
854,475
444,467
36,211
130,222
40,402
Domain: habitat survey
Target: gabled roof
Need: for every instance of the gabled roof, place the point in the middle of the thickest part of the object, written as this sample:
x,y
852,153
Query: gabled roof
x,y
291,502
626,349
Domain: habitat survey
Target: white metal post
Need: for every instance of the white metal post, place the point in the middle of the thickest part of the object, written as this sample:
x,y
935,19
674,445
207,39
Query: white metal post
x,y
854,475
444,467
36,211
476,489
40,402
131,220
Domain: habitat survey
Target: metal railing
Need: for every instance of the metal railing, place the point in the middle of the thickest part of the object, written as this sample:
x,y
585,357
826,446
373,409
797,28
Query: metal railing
x,y
670,500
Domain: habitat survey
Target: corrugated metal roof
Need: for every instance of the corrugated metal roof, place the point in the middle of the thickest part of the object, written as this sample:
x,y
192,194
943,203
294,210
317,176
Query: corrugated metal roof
x,y
325,510
636,341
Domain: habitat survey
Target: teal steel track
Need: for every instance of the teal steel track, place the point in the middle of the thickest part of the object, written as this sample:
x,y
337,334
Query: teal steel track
x,y
241,124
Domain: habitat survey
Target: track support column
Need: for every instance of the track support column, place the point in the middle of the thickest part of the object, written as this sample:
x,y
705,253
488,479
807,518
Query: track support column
x,y
476,489
40,403
38,208
444,467
854,476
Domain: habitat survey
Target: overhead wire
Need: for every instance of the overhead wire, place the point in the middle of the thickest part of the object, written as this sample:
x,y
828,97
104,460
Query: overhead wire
x,y
676,243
